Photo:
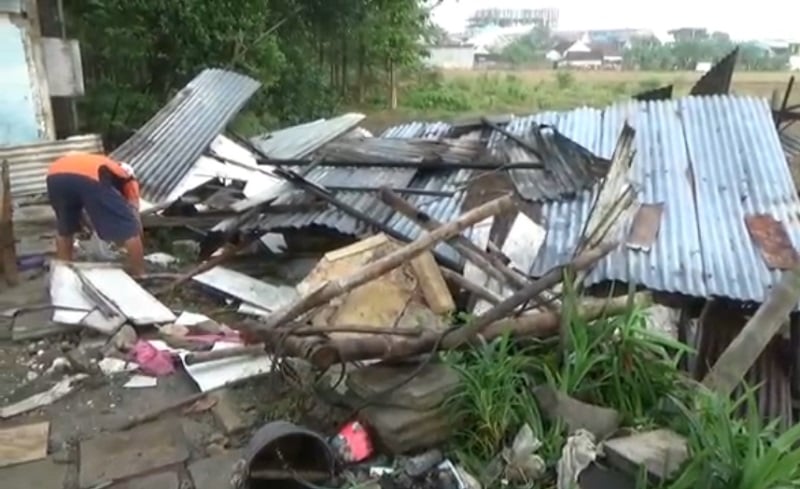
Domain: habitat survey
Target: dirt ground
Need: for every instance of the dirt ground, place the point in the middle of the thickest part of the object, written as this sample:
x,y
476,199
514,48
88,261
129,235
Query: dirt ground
x,y
101,403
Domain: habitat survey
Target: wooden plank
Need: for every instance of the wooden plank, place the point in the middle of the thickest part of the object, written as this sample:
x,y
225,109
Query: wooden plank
x,y
646,225
745,349
25,443
433,286
773,241
8,253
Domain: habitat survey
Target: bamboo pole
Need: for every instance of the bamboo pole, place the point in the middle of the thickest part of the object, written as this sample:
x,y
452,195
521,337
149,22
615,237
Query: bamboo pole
x,y
507,306
324,354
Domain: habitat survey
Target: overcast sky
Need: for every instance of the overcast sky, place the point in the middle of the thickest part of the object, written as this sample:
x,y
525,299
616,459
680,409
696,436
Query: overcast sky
x,y
746,20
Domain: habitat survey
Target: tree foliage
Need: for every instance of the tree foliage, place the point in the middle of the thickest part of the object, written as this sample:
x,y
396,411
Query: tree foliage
x,y
309,54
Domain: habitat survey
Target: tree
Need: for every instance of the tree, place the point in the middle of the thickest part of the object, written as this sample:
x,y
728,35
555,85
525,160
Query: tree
x,y
137,53
528,49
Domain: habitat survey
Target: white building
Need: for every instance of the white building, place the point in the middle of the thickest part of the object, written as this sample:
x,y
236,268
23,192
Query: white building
x,y
451,57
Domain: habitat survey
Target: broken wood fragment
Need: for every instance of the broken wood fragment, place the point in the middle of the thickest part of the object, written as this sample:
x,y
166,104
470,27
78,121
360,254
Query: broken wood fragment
x,y
335,288
471,287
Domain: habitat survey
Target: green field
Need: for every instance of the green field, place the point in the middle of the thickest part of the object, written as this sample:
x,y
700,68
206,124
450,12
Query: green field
x,y
452,94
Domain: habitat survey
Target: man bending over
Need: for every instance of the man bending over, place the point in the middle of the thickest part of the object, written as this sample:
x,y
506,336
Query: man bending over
x,y
109,193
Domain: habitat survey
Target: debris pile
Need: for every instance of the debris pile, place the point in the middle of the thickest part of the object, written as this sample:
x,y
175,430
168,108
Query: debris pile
x,y
354,272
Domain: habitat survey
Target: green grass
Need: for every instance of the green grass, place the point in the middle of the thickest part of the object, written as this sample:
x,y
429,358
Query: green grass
x,y
615,362
430,95
728,451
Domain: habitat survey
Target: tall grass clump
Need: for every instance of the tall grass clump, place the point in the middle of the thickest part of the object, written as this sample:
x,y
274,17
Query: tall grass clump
x,y
731,451
614,362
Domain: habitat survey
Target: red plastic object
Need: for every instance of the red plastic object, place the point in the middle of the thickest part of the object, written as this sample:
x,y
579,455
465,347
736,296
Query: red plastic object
x,y
353,443
151,360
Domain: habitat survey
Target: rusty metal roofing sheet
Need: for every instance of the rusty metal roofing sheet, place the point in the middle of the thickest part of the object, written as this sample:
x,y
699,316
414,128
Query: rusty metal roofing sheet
x,y
29,162
164,150
711,161
297,142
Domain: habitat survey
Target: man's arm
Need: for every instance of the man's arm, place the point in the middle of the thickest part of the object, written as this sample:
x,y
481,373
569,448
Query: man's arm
x,y
131,193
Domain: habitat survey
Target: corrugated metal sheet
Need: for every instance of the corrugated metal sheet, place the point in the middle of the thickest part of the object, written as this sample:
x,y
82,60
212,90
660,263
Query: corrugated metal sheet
x,y
661,93
717,81
401,150
440,208
164,150
568,167
791,145
297,142
347,177
331,217
28,163
711,161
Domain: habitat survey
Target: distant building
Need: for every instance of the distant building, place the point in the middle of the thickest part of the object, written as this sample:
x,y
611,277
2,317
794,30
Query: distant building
x,y
591,56
494,38
620,37
451,57
689,33
546,17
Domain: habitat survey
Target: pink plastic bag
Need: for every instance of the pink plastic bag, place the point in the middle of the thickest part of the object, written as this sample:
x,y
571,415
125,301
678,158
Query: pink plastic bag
x,y
151,360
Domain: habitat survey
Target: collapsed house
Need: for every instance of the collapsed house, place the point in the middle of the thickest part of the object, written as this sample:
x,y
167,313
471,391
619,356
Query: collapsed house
x,y
714,227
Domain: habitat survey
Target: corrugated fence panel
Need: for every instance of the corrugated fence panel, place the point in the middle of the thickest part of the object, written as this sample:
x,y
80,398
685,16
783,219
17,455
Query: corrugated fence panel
x,y
28,163
739,169
164,150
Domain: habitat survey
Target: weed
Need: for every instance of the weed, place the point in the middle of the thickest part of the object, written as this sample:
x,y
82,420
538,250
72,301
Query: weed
x,y
495,399
564,79
733,452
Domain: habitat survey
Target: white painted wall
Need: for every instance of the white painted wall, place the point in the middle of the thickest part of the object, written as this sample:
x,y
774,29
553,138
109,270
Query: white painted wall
x,y
451,57
25,111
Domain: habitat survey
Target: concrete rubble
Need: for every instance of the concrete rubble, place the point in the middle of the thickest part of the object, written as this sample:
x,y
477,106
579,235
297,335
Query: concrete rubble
x,y
163,382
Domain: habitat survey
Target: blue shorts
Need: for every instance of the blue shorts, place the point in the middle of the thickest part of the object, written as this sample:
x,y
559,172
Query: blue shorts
x,y
112,216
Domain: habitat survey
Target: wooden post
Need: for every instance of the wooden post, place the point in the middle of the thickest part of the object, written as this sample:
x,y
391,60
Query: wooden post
x,y
392,86
8,252
741,354
370,272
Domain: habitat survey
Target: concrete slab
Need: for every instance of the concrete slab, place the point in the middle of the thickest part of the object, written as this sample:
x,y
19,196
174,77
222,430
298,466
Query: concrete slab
x,y
661,452
214,472
161,480
228,414
118,456
43,474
